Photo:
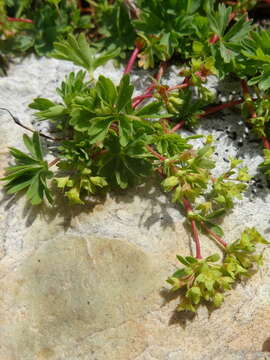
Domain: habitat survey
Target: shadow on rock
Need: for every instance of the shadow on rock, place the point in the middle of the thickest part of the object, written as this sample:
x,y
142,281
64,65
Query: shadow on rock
x,y
178,317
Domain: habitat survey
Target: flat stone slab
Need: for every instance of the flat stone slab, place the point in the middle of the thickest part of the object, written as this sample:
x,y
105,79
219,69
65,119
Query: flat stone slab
x,y
88,282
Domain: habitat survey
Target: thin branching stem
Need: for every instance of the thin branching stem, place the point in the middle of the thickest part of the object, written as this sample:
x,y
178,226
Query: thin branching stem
x,y
214,235
11,19
17,121
149,91
220,107
155,153
195,232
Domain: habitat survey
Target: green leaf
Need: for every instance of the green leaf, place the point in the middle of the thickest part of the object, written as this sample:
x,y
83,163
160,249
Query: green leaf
x,y
170,182
37,146
35,191
219,20
239,30
62,181
125,130
213,258
74,195
216,213
215,228
105,57
76,50
99,128
51,113
28,144
41,104
98,181
180,273
218,299
21,157
149,109
125,91
30,173
106,90
17,185
194,294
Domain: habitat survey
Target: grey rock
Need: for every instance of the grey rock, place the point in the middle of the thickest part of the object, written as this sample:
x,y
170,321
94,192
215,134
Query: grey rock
x,y
88,283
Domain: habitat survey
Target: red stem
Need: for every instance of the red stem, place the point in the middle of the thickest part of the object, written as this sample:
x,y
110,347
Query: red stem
x,y
195,233
210,111
11,19
149,91
187,207
214,235
156,154
182,86
221,107
213,39
265,142
178,126
132,60
138,99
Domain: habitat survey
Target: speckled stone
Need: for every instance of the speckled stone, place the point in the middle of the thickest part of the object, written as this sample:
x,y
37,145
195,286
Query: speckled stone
x,y
88,283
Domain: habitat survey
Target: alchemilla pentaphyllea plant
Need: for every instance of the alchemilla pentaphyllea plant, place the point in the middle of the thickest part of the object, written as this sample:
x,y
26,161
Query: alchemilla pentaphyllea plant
x,y
107,138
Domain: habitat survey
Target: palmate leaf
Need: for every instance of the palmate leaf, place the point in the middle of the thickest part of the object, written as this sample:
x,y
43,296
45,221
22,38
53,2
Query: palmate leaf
x,y
125,166
30,172
109,107
74,85
77,50
218,21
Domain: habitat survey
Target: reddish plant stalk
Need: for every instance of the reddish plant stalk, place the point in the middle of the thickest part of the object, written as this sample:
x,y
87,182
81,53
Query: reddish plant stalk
x,y
132,60
209,111
195,233
187,207
178,126
182,86
214,235
138,99
265,142
213,39
149,91
11,19
221,107
155,153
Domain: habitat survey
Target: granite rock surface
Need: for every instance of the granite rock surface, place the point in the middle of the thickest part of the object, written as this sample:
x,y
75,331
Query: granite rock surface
x,y
88,283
